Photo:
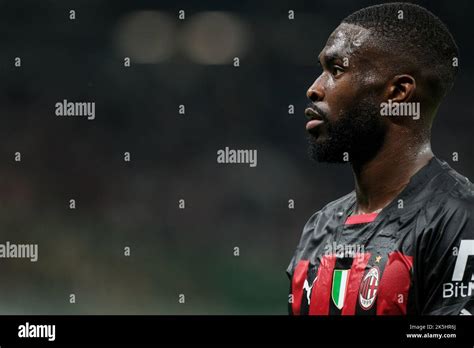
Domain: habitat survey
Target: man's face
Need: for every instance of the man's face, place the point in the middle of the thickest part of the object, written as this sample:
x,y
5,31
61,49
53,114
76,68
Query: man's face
x,y
344,113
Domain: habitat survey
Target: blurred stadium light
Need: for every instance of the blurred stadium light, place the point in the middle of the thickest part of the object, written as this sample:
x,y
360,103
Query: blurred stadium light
x,y
214,38
146,36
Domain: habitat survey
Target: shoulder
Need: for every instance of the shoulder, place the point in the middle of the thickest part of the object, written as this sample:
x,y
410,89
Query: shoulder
x,y
322,216
448,213
330,209
325,215
452,193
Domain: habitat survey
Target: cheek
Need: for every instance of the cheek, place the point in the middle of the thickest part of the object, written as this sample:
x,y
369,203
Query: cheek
x,y
342,94
330,83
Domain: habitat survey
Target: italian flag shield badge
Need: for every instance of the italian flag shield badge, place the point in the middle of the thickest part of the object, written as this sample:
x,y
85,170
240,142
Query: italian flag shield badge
x,y
339,285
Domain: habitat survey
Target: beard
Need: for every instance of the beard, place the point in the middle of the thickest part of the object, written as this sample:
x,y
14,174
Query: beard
x,y
356,136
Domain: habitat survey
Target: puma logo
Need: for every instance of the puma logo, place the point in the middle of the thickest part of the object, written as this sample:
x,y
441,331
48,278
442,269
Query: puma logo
x,y
308,288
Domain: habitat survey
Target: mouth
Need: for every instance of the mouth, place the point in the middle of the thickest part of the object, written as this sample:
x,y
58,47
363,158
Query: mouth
x,y
315,119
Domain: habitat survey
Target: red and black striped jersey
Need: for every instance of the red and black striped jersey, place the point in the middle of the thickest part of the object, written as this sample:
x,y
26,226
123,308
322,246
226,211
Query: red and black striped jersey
x,y
414,257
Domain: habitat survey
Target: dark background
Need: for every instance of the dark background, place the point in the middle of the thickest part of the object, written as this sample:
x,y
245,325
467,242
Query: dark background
x,y
135,204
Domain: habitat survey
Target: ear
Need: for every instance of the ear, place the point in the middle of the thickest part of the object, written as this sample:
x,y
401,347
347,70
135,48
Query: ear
x,y
401,88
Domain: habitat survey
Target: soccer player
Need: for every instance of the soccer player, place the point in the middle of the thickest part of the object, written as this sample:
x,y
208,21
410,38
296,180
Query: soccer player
x,y
403,241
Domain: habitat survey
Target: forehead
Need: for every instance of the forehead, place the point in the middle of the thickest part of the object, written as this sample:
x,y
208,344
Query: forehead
x,y
346,40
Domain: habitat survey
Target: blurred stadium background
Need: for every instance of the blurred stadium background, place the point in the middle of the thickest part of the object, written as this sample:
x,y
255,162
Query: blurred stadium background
x,y
135,204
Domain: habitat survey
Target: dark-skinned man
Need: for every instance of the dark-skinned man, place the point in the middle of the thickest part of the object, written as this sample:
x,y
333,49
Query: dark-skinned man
x,y
403,241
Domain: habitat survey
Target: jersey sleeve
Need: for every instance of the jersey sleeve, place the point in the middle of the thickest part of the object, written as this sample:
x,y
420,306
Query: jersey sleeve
x,y
306,234
289,273
447,259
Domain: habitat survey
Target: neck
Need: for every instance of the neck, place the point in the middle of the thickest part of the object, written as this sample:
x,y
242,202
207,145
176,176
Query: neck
x,y
379,180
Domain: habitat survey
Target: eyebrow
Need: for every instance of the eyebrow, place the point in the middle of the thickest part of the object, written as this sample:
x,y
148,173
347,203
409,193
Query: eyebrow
x,y
329,58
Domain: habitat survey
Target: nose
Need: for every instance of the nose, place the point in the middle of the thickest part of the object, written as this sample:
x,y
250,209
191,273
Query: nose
x,y
315,93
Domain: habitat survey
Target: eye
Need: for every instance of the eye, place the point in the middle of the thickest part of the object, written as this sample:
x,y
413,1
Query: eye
x,y
337,70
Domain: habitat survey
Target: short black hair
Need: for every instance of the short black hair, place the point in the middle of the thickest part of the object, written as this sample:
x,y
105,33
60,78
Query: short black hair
x,y
413,33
